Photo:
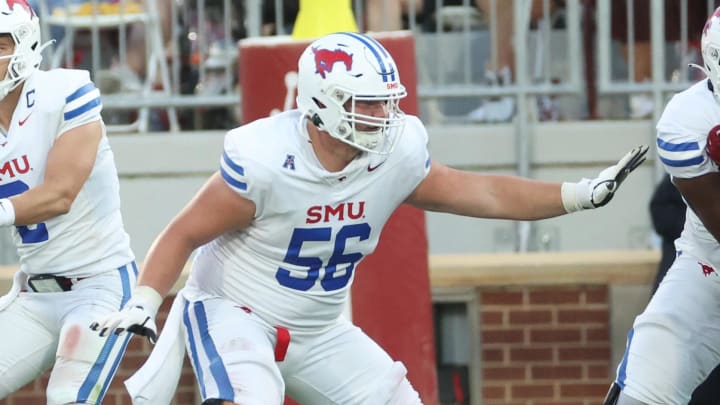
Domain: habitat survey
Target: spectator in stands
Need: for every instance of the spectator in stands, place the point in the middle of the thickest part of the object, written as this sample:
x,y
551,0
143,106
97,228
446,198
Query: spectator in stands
x,y
289,14
501,71
137,42
641,104
216,61
118,72
385,15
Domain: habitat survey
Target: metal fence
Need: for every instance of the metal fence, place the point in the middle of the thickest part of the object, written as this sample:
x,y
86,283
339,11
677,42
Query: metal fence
x,y
568,61
674,42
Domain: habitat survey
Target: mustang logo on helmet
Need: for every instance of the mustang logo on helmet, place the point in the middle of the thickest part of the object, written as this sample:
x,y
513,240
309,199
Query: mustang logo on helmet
x,y
325,59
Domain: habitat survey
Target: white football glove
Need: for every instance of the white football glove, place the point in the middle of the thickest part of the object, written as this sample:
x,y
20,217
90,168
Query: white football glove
x,y
594,193
137,316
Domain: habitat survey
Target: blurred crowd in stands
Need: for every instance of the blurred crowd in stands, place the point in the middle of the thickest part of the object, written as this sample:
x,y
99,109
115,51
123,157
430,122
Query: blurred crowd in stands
x,y
219,54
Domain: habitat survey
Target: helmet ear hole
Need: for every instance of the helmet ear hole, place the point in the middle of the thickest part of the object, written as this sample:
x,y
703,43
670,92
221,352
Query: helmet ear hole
x,y
316,120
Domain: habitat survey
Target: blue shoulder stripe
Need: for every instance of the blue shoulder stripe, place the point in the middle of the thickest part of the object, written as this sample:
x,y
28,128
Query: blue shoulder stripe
x,y
683,162
82,109
80,92
234,166
233,181
677,147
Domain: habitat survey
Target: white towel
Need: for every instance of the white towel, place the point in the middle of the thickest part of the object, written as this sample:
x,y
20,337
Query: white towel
x,y
156,381
19,280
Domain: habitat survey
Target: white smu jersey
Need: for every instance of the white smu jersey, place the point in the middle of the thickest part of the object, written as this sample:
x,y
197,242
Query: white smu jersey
x,y
682,135
90,238
295,263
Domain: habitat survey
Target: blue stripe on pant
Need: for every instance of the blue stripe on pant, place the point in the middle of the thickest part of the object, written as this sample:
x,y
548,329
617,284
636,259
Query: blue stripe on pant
x,y
217,368
622,370
90,383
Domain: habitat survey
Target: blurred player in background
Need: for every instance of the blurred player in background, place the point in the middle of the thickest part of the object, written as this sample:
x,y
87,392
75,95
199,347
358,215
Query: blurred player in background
x,y
299,200
675,343
667,213
59,195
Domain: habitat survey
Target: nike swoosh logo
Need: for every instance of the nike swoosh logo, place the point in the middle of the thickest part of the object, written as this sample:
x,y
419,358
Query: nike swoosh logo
x,y
371,168
244,308
22,122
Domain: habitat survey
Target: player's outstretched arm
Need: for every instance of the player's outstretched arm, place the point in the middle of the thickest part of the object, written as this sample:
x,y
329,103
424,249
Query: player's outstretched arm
x,y
511,197
215,210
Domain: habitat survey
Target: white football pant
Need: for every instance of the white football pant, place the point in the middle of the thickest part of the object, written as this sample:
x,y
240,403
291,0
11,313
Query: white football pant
x,y
675,343
233,353
42,329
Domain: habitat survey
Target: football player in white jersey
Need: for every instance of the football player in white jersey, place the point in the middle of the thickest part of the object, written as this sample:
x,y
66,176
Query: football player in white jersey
x,y
675,343
300,198
59,197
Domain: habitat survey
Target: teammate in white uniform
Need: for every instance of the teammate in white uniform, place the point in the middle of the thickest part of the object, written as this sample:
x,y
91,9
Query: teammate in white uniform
x,y
675,343
59,197
300,199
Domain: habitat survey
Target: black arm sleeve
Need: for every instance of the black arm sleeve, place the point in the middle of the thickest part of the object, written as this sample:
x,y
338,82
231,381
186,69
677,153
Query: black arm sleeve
x,y
667,210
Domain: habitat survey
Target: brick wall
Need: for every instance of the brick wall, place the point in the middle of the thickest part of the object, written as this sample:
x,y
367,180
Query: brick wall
x,y
544,345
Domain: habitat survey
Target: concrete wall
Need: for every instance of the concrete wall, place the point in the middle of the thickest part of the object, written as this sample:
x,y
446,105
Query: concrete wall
x,y
562,152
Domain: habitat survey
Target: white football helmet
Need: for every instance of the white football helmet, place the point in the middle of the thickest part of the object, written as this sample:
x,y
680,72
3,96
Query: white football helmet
x,y
710,49
18,20
338,70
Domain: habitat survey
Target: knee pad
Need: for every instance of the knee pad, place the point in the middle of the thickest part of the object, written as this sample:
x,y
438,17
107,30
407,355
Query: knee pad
x,y
394,389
